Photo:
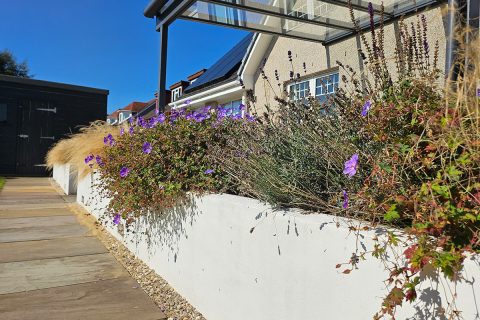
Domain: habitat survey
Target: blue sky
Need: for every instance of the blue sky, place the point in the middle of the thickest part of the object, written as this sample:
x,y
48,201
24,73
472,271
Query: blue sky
x,y
107,44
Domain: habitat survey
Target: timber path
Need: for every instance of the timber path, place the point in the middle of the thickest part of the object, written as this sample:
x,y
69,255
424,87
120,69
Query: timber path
x,y
52,267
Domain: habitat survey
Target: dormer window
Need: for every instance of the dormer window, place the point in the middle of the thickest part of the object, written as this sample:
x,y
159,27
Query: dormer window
x,y
176,93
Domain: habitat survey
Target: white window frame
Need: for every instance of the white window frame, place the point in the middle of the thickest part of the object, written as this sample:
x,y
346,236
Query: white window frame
x,y
329,85
301,92
331,88
176,93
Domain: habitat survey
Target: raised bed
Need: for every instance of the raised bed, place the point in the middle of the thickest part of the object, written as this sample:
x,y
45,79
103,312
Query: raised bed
x,y
283,269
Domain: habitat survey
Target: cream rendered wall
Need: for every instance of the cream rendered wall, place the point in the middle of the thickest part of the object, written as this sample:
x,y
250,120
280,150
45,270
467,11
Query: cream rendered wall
x,y
318,57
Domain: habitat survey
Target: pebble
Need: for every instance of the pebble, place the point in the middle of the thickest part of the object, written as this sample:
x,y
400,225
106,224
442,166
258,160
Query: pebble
x,y
167,299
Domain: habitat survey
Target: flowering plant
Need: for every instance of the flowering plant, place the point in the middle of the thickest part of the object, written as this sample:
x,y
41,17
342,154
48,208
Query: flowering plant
x,y
162,159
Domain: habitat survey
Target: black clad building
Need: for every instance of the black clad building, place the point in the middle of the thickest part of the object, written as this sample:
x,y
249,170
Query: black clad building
x,y
34,114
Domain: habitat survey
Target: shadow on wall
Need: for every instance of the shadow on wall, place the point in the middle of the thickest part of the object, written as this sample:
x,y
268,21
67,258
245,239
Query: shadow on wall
x,y
165,229
295,241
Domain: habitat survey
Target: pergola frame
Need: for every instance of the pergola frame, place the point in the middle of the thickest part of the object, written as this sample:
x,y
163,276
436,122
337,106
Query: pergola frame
x,y
167,11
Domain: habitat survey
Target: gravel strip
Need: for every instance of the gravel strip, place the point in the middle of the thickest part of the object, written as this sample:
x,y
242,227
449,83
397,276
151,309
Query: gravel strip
x,y
168,300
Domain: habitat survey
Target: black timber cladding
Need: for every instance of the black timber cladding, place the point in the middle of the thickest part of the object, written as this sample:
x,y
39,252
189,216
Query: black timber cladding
x,y
224,68
38,114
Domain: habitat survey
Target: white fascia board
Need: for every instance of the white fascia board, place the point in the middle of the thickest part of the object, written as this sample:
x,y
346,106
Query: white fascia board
x,y
208,95
255,59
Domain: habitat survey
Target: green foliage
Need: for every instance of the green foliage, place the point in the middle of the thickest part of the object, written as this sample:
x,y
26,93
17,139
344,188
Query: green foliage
x,y
292,157
165,160
10,67
2,183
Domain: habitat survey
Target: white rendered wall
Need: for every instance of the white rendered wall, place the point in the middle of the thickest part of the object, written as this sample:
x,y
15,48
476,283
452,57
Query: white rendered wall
x,y
58,173
284,269
66,177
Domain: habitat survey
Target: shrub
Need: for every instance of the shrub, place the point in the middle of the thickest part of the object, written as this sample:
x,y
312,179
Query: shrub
x,y
153,164
399,151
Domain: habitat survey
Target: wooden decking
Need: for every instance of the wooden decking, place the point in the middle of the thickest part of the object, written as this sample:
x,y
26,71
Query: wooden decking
x,y
52,268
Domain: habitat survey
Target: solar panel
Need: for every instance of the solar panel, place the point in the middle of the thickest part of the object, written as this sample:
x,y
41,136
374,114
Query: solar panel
x,y
224,67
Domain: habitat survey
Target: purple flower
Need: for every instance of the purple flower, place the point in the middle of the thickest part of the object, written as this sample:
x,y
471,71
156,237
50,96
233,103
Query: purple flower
x,y
188,102
131,130
152,122
345,199
99,161
116,219
122,131
249,117
147,148
351,166
141,122
124,172
109,140
161,118
88,158
200,116
208,171
366,107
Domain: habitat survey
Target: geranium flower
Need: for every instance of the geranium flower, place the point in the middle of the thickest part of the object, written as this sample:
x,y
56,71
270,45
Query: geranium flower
x,y
161,118
109,140
141,122
88,158
116,219
250,118
345,199
147,148
122,131
124,172
208,171
351,166
131,130
99,161
366,107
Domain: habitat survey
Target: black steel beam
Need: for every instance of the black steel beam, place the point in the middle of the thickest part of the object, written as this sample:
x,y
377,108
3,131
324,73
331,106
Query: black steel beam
x,y
171,10
162,74
270,11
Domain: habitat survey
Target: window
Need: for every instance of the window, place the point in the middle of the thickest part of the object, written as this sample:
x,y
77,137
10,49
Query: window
x,y
176,93
325,86
233,108
3,112
300,91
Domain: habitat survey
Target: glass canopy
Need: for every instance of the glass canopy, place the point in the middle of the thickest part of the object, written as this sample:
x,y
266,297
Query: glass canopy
x,y
315,20
321,21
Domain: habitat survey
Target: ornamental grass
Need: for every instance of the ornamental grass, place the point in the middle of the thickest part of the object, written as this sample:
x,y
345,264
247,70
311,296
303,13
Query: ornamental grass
x,y
73,150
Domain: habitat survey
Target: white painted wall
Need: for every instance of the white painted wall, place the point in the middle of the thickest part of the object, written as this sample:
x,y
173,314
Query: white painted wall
x,y
284,269
66,177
